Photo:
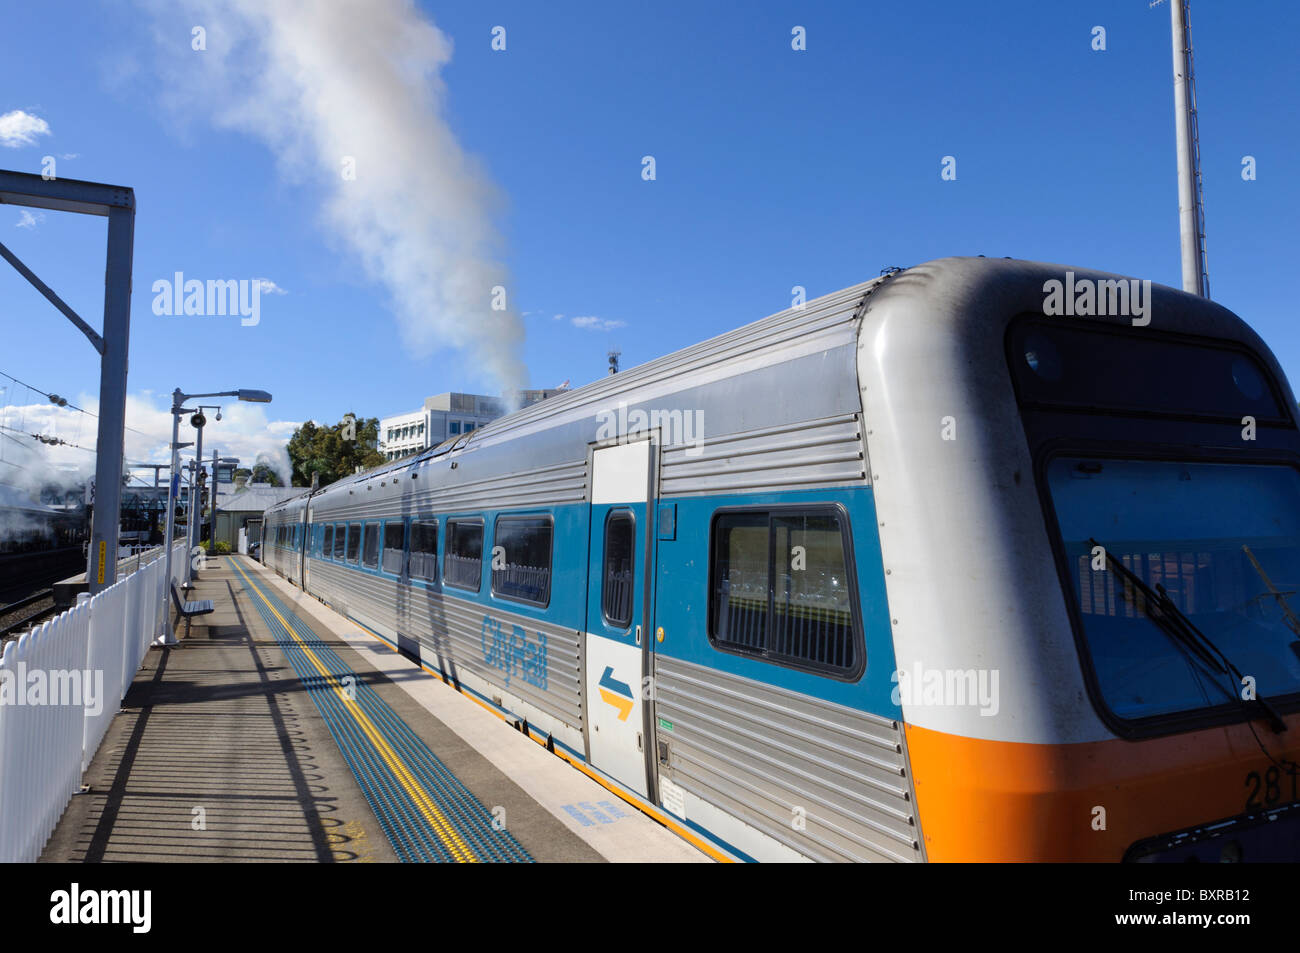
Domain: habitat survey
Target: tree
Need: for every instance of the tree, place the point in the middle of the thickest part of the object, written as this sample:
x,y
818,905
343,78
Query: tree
x,y
335,451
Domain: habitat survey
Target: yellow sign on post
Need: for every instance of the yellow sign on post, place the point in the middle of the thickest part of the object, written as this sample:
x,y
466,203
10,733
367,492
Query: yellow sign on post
x,y
103,553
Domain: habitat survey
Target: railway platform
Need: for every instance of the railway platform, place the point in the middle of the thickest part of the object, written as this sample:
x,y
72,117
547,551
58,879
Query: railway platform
x,y
279,731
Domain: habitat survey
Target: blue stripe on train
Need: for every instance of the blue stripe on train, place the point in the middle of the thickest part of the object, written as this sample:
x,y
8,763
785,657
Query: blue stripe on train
x,y
681,590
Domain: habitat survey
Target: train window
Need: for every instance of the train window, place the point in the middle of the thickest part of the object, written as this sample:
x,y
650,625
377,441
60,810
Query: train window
x,y
327,547
1220,541
424,550
464,561
370,551
340,540
620,561
781,588
523,544
1103,368
394,541
354,542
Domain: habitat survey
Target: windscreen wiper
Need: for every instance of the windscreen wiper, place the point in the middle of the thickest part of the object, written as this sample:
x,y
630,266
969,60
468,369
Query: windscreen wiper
x,y
1174,621
1291,620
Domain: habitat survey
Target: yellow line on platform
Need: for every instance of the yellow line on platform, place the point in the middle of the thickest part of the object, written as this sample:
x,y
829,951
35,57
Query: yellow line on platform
x,y
442,827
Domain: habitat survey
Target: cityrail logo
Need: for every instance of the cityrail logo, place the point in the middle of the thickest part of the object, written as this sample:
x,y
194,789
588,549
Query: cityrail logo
x,y
947,688
37,687
616,693
102,907
1108,297
676,427
216,297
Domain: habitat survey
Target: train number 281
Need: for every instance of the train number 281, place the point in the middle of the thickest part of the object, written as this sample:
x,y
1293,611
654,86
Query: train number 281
x,y
1273,785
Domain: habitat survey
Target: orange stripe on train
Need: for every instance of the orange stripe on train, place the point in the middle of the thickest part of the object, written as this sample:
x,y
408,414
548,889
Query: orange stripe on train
x,y
980,800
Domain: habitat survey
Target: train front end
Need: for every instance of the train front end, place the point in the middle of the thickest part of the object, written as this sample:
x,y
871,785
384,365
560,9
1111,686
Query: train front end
x,y
1089,490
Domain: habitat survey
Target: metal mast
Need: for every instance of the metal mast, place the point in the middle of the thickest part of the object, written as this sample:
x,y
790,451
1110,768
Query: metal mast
x,y
1191,197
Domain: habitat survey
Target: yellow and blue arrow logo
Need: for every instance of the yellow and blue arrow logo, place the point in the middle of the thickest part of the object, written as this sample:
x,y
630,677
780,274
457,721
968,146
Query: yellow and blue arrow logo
x,y
616,693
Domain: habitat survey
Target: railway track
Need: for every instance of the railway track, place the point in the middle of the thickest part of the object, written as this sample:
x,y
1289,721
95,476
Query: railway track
x,y
23,574
17,617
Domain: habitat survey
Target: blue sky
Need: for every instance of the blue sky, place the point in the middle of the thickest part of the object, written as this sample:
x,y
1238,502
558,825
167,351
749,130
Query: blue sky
x,y
774,168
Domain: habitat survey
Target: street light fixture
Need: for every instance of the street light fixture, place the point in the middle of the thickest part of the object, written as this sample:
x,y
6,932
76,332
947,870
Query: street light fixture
x,y
178,408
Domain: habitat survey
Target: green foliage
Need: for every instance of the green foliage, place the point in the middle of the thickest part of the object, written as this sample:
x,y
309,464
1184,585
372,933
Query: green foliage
x,y
261,473
222,549
334,452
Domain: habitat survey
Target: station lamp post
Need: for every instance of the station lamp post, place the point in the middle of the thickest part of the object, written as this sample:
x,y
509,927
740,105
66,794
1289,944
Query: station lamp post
x,y
178,408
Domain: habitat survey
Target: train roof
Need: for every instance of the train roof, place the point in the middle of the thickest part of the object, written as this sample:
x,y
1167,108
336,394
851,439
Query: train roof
x,y
799,364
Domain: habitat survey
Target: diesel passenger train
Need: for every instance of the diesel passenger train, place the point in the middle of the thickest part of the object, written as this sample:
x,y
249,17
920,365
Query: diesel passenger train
x,y
979,560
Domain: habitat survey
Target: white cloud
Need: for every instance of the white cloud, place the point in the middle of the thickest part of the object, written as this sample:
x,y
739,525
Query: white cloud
x,y
18,128
27,220
590,322
269,287
244,431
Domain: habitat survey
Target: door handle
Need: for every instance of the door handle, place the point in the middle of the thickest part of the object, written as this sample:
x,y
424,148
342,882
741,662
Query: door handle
x,y
638,635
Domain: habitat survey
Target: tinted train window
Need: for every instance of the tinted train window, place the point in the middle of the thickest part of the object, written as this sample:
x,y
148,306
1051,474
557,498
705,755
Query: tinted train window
x,y
340,540
370,551
620,561
464,566
524,547
327,547
1092,368
780,588
394,541
424,550
354,542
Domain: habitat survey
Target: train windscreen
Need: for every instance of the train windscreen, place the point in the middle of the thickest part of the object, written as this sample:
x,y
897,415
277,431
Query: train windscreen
x,y
1220,541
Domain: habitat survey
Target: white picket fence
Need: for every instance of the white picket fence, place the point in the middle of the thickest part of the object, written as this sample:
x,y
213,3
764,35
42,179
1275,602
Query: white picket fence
x,y
62,684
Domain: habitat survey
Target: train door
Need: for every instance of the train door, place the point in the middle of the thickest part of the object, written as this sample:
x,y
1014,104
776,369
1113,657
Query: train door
x,y
617,646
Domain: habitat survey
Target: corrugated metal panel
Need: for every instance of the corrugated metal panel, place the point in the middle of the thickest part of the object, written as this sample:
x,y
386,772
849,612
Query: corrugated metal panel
x,y
453,628
761,752
402,496
819,325
816,453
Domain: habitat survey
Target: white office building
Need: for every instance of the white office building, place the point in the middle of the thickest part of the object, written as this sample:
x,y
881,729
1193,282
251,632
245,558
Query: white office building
x,y
443,416
447,415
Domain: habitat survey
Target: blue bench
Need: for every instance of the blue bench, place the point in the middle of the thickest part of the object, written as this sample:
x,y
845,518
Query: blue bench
x,y
189,610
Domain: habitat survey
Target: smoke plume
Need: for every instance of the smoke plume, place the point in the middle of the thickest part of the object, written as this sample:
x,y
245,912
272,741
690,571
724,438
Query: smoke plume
x,y
348,95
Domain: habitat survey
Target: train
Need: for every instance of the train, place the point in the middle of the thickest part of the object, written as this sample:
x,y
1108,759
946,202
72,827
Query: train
x,y
978,560
30,525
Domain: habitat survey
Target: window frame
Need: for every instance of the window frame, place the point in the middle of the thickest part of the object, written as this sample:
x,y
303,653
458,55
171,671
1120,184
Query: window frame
x,y
384,547
366,527
829,508
353,560
446,550
619,512
547,518
437,545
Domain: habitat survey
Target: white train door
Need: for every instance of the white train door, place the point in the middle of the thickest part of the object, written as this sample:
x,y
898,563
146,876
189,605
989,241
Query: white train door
x,y
617,647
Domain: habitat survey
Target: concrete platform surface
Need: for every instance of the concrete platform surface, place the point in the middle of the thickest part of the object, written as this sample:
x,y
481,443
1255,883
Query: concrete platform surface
x,y
221,753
